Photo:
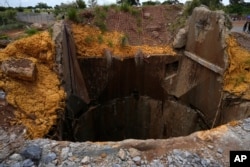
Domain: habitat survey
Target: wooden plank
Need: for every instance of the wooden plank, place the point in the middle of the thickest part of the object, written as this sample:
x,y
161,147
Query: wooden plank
x,y
204,63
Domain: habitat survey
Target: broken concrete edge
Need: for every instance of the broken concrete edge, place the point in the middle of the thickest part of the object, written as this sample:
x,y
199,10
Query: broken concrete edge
x,y
223,139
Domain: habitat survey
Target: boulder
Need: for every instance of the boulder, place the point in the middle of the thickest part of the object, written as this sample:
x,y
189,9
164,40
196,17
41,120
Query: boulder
x,y
38,26
180,39
23,69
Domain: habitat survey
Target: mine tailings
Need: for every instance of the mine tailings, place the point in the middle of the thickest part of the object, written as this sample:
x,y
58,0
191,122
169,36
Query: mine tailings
x,y
153,96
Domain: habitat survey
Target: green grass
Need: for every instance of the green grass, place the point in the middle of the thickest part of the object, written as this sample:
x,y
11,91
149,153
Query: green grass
x,y
31,31
123,41
89,40
100,39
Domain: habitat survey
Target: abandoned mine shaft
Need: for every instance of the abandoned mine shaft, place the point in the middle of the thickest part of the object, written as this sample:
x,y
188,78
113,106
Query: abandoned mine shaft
x,y
144,91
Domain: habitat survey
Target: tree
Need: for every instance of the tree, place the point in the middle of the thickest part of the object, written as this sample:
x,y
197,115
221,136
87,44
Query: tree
x,y
81,4
151,3
130,2
92,3
42,5
170,2
212,4
233,2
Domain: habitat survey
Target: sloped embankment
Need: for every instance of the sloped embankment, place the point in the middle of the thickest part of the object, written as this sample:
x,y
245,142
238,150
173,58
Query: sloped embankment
x,y
35,103
91,42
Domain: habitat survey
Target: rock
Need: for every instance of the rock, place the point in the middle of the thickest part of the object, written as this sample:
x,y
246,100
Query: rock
x,y
246,125
134,152
49,158
38,26
16,157
180,39
122,154
210,147
23,69
155,34
69,164
4,43
116,165
64,153
137,160
85,160
50,165
18,164
28,163
153,27
70,154
32,152
220,150
146,15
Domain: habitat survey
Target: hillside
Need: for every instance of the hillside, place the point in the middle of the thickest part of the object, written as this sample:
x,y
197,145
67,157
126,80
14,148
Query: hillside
x,y
149,29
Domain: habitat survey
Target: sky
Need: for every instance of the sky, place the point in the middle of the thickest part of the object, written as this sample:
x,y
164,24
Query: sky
x,y
25,3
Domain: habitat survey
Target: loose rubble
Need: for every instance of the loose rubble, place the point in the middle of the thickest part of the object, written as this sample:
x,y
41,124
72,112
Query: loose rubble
x,y
146,153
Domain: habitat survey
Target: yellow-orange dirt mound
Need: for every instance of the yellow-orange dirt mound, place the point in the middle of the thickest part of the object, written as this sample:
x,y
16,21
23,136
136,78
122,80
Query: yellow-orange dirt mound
x,y
237,77
36,103
91,42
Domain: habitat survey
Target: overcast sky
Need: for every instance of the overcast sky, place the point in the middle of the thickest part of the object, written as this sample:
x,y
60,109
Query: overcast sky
x,y
25,3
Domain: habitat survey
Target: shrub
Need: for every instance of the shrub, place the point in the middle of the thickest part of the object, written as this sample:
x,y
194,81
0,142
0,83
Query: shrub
x,y
101,24
124,41
125,7
31,31
72,14
100,39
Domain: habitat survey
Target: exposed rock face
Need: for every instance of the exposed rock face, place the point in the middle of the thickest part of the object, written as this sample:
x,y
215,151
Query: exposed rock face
x,y
23,69
199,78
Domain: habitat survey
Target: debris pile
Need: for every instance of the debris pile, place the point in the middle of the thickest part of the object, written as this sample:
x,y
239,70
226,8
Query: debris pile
x,y
237,76
36,102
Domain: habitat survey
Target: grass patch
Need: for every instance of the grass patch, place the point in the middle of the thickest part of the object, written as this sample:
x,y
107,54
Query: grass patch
x,y
125,7
177,24
124,41
88,40
101,24
3,36
100,39
31,31
110,44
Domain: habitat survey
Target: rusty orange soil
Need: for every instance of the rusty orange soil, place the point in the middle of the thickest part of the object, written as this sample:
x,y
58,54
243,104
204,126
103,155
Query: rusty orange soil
x,y
91,42
237,76
36,103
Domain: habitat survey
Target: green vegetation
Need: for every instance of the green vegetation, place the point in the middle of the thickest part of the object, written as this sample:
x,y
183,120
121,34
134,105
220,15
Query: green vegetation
x,y
100,17
100,39
125,7
31,31
89,40
151,3
110,44
177,24
72,14
3,36
124,41
211,4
